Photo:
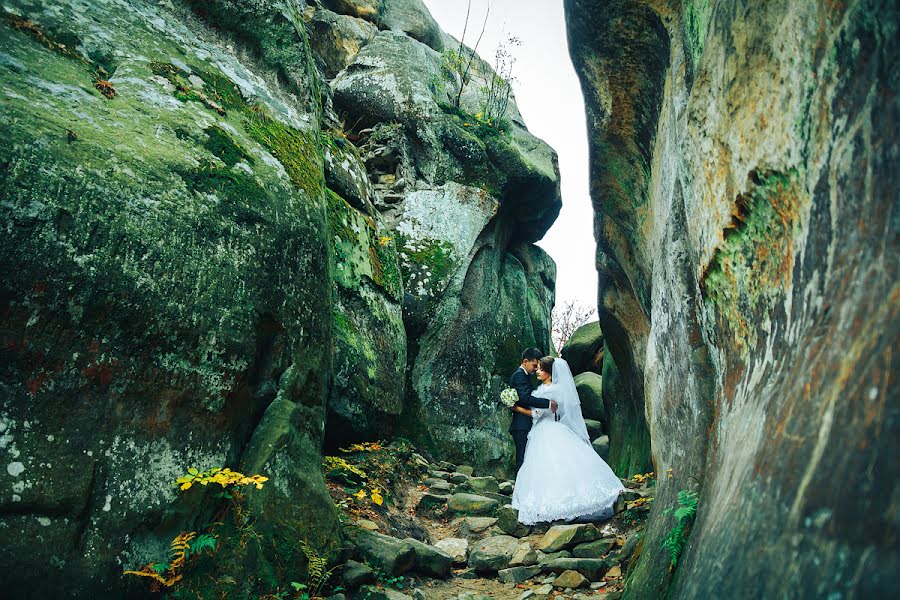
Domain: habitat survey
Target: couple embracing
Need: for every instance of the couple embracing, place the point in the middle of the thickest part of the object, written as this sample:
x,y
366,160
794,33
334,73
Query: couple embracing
x,y
559,474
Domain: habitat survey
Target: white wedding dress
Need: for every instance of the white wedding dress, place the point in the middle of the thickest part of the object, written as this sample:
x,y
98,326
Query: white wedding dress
x,y
562,477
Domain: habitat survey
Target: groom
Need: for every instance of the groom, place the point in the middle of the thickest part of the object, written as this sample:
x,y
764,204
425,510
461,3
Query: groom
x,y
521,382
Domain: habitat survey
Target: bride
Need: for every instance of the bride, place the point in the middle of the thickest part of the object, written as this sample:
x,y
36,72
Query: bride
x,y
562,477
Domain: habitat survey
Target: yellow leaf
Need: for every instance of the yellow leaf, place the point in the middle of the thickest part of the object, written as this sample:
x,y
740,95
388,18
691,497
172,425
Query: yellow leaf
x,y
185,485
376,498
360,494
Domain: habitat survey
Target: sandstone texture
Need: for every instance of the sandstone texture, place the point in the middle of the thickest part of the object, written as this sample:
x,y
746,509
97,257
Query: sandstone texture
x,y
745,202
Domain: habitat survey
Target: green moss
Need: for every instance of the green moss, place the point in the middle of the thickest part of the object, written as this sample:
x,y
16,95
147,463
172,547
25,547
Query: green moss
x,y
435,255
753,267
384,250
696,21
220,143
298,151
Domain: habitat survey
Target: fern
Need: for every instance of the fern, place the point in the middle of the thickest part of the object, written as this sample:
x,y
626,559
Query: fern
x,y
684,516
204,542
318,573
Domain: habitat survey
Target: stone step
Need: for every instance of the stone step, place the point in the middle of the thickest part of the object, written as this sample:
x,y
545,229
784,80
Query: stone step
x,y
472,504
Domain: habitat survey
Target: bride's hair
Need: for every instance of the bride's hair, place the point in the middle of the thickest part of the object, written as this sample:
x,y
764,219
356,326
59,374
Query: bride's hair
x,y
546,365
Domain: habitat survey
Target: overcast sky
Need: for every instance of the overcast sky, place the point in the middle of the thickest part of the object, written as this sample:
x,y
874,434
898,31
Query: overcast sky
x,y
549,97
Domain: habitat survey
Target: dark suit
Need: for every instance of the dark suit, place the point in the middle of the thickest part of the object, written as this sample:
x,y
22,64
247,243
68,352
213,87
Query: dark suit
x,y
521,424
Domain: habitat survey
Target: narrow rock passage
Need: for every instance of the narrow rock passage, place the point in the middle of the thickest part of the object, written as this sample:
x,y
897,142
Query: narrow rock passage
x,y
448,533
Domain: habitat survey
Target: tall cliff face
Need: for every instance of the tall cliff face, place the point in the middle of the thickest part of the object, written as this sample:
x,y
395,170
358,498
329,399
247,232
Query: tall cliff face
x,y
746,223
203,265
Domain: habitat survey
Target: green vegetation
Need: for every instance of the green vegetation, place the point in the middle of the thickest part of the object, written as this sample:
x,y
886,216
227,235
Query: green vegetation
x,y
685,512
298,151
220,143
753,267
696,21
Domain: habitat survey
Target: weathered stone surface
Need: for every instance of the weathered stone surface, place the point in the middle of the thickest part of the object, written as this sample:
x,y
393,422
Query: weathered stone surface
x,y
741,211
601,445
493,554
465,470
563,537
595,428
590,392
584,349
166,289
432,501
356,574
592,568
430,560
547,558
457,548
508,521
502,499
370,592
517,574
458,478
472,504
475,525
480,485
441,487
571,579
412,18
594,549
336,39
507,487
525,556
387,554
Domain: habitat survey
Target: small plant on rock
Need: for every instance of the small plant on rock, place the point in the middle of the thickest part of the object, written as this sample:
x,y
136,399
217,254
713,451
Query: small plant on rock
x,y
685,512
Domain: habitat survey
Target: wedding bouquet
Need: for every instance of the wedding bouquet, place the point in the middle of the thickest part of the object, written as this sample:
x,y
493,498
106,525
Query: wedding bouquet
x,y
508,397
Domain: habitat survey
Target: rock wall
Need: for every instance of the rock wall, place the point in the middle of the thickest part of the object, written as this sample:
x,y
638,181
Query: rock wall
x,y
231,231
747,248
463,204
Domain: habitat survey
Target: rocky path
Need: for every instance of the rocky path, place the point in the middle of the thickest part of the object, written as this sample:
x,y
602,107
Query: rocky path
x,y
453,535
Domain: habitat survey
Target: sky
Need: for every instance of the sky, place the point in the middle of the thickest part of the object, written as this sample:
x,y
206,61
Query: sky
x,y
549,97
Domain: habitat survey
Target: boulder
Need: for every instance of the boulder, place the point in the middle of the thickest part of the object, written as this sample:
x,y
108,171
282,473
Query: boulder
x,y
430,560
370,592
517,574
571,579
480,485
584,349
446,466
590,392
562,537
507,487
592,568
457,548
601,446
465,470
412,18
595,428
458,478
475,525
431,501
356,574
543,591
361,9
546,559
594,549
525,556
441,487
336,39
502,499
508,521
387,554
472,504
493,554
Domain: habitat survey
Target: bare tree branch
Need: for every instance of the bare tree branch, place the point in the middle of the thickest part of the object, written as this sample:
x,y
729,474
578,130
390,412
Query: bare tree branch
x,y
568,317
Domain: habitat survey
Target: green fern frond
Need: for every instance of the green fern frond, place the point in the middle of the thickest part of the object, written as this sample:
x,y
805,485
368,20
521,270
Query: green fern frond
x,y
674,542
